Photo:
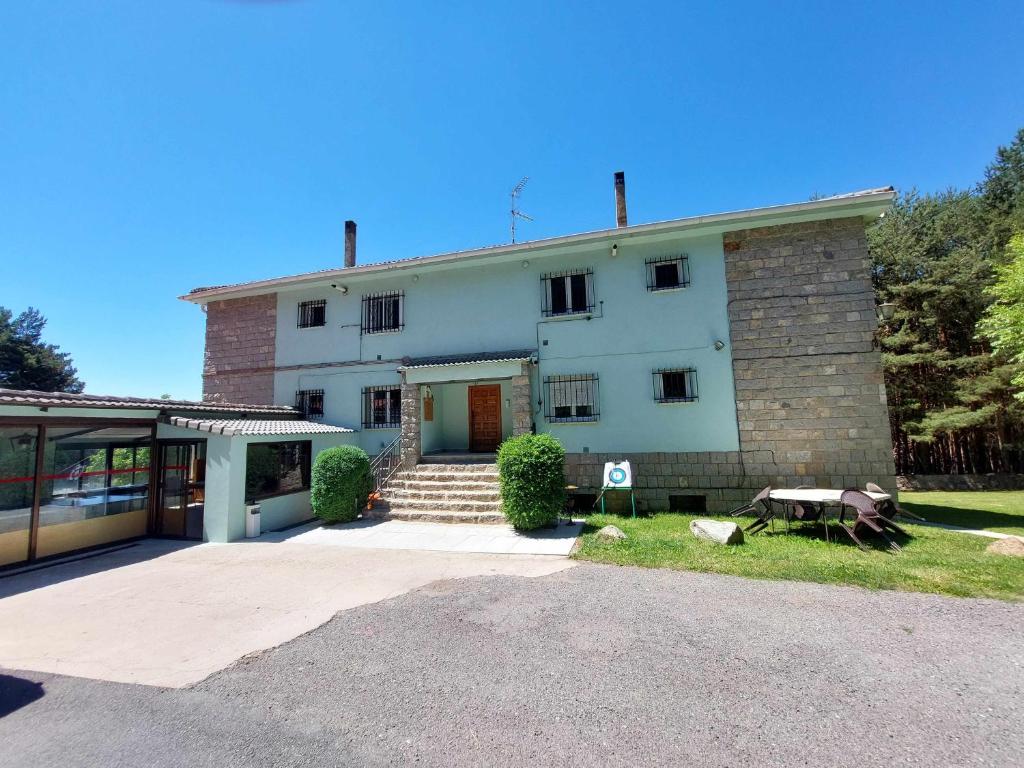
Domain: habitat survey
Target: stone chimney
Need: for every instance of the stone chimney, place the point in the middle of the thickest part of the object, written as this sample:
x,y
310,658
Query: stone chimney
x,y
350,243
620,199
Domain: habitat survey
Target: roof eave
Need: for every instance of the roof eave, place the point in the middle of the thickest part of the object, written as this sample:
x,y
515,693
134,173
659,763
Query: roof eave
x,y
868,205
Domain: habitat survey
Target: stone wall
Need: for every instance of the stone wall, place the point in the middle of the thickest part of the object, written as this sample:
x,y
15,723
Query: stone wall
x,y
810,396
657,477
992,482
238,366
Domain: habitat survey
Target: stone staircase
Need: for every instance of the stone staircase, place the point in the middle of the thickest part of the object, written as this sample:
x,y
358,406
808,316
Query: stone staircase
x,y
465,492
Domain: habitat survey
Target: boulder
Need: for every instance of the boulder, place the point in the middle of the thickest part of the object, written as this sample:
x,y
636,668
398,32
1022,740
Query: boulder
x,y
611,533
1012,546
713,530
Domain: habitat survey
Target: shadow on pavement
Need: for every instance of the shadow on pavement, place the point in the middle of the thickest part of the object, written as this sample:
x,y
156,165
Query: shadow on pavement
x,y
45,574
17,692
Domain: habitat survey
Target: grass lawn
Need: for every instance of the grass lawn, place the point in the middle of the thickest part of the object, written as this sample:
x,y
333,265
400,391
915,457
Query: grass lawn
x,y
1001,511
933,560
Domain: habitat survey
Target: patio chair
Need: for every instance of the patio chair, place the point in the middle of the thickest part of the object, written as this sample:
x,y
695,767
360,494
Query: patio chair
x,y
889,508
761,507
868,518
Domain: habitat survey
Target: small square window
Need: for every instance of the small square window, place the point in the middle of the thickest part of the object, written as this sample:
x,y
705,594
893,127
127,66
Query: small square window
x,y
382,407
383,312
312,314
675,385
310,402
666,274
567,293
571,398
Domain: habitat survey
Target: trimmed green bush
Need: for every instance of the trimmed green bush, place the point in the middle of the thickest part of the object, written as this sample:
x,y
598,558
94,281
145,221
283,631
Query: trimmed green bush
x,y
340,483
531,473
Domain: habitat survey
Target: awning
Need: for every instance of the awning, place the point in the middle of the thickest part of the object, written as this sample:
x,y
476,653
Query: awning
x,y
256,427
510,356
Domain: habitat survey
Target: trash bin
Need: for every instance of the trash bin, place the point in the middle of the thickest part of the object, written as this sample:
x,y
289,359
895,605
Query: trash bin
x,y
252,521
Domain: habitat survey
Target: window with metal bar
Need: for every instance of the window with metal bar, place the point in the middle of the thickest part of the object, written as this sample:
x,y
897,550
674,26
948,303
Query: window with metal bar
x,y
312,314
310,402
665,274
567,293
675,385
382,407
571,398
384,312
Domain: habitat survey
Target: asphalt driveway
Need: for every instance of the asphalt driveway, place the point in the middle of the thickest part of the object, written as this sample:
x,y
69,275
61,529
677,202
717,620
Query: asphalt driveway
x,y
594,665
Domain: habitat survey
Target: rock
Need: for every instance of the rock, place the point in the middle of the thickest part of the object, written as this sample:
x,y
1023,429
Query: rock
x,y
611,533
1012,546
721,533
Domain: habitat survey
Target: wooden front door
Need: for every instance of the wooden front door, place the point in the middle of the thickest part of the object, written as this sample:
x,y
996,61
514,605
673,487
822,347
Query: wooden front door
x,y
484,417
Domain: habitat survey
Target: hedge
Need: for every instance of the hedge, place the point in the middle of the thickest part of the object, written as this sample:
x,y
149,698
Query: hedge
x,y
531,473
340,483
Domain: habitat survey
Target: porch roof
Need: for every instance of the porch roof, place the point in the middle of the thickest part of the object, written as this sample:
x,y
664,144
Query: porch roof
x,y
250,427
437,361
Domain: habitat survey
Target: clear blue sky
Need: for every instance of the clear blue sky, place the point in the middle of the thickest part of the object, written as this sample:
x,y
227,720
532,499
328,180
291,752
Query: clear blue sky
x,y
150,147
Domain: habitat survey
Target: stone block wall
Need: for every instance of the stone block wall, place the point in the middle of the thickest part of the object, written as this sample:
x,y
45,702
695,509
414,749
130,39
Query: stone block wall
x,y
238,366
810,397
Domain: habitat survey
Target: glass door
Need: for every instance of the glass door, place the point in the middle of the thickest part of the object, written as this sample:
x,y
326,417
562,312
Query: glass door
x,y
182,479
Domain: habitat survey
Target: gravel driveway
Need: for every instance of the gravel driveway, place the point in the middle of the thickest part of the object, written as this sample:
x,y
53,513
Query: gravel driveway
x,y
596,665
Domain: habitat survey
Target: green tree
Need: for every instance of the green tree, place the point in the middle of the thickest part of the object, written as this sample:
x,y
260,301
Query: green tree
x,y
1002,194
27,362
1003,323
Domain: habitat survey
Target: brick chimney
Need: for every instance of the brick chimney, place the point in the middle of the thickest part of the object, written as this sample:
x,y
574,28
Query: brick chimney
x,y
350,243
620,199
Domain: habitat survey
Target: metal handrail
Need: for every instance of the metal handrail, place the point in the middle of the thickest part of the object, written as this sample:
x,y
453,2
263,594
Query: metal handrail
x,y
386,464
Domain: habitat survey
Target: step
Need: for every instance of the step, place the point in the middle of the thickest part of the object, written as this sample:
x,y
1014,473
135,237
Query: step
x,y
454,492
415,483
458,458
444,505
450,476
489,467
432,516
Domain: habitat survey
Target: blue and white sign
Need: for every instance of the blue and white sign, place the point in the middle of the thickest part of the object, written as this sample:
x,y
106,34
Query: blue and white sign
x,y
617,474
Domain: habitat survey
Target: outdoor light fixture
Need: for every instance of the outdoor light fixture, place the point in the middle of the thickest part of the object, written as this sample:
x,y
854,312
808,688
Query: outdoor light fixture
x,y
719,345
342,289
615,250
525,263
886,310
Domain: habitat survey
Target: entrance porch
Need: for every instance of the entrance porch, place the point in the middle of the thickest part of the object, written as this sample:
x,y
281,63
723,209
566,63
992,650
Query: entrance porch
x,y
463,404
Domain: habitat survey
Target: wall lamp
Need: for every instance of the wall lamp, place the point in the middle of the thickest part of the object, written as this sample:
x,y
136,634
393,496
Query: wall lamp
x,y
342,289
719,345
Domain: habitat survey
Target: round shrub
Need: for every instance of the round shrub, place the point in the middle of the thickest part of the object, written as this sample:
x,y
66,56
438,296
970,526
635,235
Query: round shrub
x,y
531,473
340,483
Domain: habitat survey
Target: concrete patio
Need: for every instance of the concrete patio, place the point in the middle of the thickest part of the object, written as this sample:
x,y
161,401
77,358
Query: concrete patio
x,y
435,537
170,614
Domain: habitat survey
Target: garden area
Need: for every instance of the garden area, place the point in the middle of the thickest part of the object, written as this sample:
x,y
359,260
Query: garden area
x,y
933,560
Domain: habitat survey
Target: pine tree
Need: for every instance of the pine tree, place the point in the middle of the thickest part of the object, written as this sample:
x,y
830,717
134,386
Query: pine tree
x,y
27,362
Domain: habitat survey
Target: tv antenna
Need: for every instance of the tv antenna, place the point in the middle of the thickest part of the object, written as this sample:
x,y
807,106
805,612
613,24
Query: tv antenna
x,y
515,213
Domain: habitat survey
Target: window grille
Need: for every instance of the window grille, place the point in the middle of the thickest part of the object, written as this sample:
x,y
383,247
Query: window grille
x,y
312,314
383,312
310,402
382,407
571,398
667,273
567,293
675,385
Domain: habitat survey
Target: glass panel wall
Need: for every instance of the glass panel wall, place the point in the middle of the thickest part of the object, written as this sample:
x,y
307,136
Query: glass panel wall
x,y
95,487
17,482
